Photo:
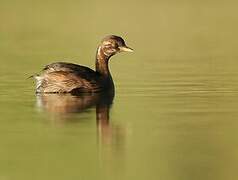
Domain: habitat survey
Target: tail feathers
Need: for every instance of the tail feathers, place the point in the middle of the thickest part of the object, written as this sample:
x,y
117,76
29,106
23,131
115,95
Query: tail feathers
x,y
38,79
39,82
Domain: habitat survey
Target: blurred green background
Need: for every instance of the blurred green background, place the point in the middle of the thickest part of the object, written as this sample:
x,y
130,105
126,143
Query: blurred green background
x,y
175,111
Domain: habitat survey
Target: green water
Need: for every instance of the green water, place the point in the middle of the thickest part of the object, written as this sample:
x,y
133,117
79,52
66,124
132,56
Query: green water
x,y
174,115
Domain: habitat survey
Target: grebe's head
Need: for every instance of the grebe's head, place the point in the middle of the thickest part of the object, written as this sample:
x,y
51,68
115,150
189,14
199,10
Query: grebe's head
x,y
112,45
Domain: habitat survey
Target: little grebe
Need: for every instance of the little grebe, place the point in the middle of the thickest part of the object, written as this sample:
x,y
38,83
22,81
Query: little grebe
x,y
62,77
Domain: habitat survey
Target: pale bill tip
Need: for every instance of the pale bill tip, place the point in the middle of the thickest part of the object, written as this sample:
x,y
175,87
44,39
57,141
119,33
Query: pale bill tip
x,y
126,49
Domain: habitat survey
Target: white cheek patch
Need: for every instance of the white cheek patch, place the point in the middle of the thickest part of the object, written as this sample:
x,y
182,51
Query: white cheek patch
x,y
107,53
102,51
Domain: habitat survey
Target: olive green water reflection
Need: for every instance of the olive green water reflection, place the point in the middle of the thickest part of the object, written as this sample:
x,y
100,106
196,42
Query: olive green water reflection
x,y
174,115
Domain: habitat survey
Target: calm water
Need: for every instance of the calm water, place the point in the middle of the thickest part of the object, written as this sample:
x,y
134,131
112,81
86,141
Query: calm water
x,y
174,115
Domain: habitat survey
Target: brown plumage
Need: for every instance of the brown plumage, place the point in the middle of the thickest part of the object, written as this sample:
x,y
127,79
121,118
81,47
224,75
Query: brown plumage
x,y
62,77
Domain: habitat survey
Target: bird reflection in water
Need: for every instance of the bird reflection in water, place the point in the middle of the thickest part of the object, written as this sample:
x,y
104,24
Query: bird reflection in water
x,y
61,107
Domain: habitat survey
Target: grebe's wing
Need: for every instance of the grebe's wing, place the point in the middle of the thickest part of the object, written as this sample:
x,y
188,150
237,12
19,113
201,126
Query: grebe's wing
x,y
63,82
67,67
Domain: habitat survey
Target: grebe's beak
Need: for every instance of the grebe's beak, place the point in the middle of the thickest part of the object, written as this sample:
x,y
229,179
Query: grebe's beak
x,y
125,49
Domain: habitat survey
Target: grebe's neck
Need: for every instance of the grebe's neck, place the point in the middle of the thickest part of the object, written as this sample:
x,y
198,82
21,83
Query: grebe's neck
x,y
102,63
